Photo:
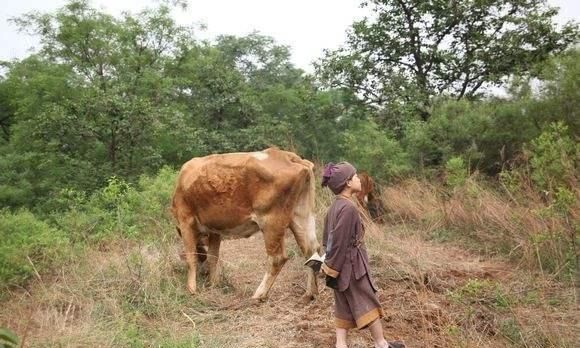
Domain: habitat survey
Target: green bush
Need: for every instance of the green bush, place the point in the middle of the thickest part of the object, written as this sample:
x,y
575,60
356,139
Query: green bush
x,y
375,151
456,172
29,245
33,179
154,192
561,100
423,150
554,156
119,208
100,215
456,128
150,200
487,134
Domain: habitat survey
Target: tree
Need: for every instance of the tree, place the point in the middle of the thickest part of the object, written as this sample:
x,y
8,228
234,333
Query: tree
x,y
111,83
90,103
244,94
413,50
262,62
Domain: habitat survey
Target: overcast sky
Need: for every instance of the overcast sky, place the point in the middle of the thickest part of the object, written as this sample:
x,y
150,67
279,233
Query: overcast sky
x,y
307,26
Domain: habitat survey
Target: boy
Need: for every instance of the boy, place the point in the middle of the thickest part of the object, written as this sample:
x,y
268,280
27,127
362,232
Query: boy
x,y
346,264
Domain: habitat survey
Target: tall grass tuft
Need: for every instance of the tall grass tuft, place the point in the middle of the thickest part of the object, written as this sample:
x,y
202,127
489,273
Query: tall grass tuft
x,y
524,227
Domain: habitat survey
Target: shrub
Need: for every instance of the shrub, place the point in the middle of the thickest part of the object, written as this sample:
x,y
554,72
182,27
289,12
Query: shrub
x,y
29,245
153,193
372,150
554,156
119,208
456,172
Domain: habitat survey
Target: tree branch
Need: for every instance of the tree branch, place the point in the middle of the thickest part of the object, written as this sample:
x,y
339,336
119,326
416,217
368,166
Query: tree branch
x,y
415,42
464,85
438,41
476,87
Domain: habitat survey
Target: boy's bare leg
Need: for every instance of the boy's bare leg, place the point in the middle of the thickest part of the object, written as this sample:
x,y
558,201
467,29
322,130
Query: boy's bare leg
x,y
377,333
341,338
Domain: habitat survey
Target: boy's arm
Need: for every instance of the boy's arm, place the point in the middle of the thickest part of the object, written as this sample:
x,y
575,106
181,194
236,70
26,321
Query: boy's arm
x,y
339,241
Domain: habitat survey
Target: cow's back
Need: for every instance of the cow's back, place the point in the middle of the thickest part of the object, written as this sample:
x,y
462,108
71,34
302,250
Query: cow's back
x,y
225,191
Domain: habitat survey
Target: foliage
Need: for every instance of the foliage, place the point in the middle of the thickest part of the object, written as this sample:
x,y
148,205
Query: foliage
x,y
455,128
107,84
408,52
371,149
7,338
456,171
492,134
122,96
119,209
29,246
6,111
560,99
554,159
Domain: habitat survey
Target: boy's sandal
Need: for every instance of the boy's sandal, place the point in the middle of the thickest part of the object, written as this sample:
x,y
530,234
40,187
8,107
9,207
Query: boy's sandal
x,y
396,344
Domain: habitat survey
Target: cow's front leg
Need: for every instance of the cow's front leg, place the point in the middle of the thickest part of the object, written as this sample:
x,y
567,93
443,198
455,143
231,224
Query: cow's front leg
x,y
274,240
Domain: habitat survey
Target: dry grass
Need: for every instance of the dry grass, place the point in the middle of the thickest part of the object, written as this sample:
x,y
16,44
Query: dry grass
x,y
526,228
108,298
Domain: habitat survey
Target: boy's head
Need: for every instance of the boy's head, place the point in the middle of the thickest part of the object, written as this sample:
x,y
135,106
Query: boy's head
x,y
340,177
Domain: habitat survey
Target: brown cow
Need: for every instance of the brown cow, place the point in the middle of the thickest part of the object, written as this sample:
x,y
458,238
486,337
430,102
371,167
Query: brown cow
x,y
236,195
368,198
367,187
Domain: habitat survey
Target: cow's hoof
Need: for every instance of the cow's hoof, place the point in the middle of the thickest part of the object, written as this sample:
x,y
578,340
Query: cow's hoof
x,y
307,298
203,270
259,298
215,283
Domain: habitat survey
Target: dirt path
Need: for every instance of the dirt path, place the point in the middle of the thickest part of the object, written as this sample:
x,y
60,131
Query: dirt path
x,y
413,276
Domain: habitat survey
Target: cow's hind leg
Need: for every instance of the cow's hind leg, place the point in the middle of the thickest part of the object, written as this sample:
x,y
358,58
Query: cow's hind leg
x,y
213,255
189,237
274,240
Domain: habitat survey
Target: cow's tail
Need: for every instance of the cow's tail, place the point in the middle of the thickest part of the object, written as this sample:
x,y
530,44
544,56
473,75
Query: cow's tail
x,y
309,188
173,208
309,201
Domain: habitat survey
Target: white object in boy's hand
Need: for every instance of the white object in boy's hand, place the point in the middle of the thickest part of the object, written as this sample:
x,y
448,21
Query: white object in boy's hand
x,y
315,261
